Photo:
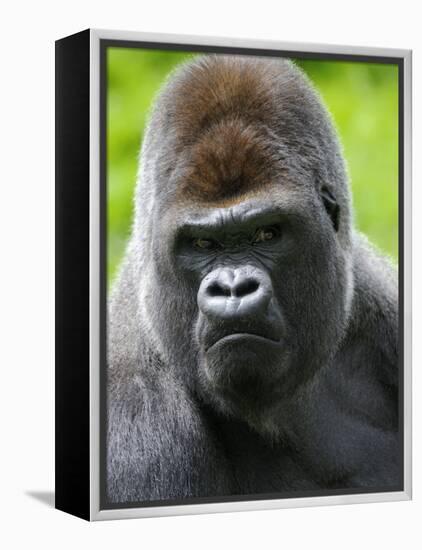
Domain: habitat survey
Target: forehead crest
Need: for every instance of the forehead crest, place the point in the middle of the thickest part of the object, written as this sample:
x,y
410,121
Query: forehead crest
x,y
230,159
216,87
221,111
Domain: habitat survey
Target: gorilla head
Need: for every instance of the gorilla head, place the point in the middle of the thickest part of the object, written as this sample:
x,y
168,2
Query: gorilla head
x,y
242,242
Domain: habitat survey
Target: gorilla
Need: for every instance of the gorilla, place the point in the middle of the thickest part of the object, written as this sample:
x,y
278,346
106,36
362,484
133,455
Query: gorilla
x,y
252,332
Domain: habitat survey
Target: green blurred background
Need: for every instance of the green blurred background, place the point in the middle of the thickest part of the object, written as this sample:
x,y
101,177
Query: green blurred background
x,y
362,97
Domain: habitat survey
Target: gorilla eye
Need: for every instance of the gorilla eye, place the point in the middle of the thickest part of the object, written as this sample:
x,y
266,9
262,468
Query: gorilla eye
x,y
265,234
204,244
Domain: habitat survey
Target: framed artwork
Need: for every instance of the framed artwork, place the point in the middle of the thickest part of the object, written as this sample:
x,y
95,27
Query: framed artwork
x,y
233,292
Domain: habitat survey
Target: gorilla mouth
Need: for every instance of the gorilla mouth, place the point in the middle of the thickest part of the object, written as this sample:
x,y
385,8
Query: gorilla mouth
x,y
243,337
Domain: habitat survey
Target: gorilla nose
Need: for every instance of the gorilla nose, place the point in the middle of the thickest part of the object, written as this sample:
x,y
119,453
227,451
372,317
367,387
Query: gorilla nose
x,y
227,294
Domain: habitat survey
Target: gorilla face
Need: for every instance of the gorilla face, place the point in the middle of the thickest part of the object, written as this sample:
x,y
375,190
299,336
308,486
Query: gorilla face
x,y
249,241
260,295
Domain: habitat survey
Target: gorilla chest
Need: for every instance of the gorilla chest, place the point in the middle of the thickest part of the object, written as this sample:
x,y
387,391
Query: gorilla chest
x,y
277,472
259,467
350,451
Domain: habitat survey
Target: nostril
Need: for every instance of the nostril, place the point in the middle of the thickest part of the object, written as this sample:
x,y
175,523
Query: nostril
x,y
216,289
234,295
246,287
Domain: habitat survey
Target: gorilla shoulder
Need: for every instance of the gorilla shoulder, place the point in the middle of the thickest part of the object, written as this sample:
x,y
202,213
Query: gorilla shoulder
x,y
159,445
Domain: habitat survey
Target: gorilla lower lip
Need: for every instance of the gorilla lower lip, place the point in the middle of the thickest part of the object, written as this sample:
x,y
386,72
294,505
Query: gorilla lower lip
x,y
243,337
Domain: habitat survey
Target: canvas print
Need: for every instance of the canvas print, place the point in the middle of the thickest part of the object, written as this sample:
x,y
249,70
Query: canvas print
x,y
252,326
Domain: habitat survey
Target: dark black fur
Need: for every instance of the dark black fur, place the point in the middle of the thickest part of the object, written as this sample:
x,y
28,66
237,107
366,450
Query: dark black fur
x,y
232,136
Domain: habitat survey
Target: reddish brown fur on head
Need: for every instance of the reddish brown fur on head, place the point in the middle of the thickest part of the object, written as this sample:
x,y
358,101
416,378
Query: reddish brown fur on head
x,y
222,111
231,158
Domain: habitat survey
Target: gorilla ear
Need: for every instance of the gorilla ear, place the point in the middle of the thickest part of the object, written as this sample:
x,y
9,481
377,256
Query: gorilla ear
x,y
331,206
